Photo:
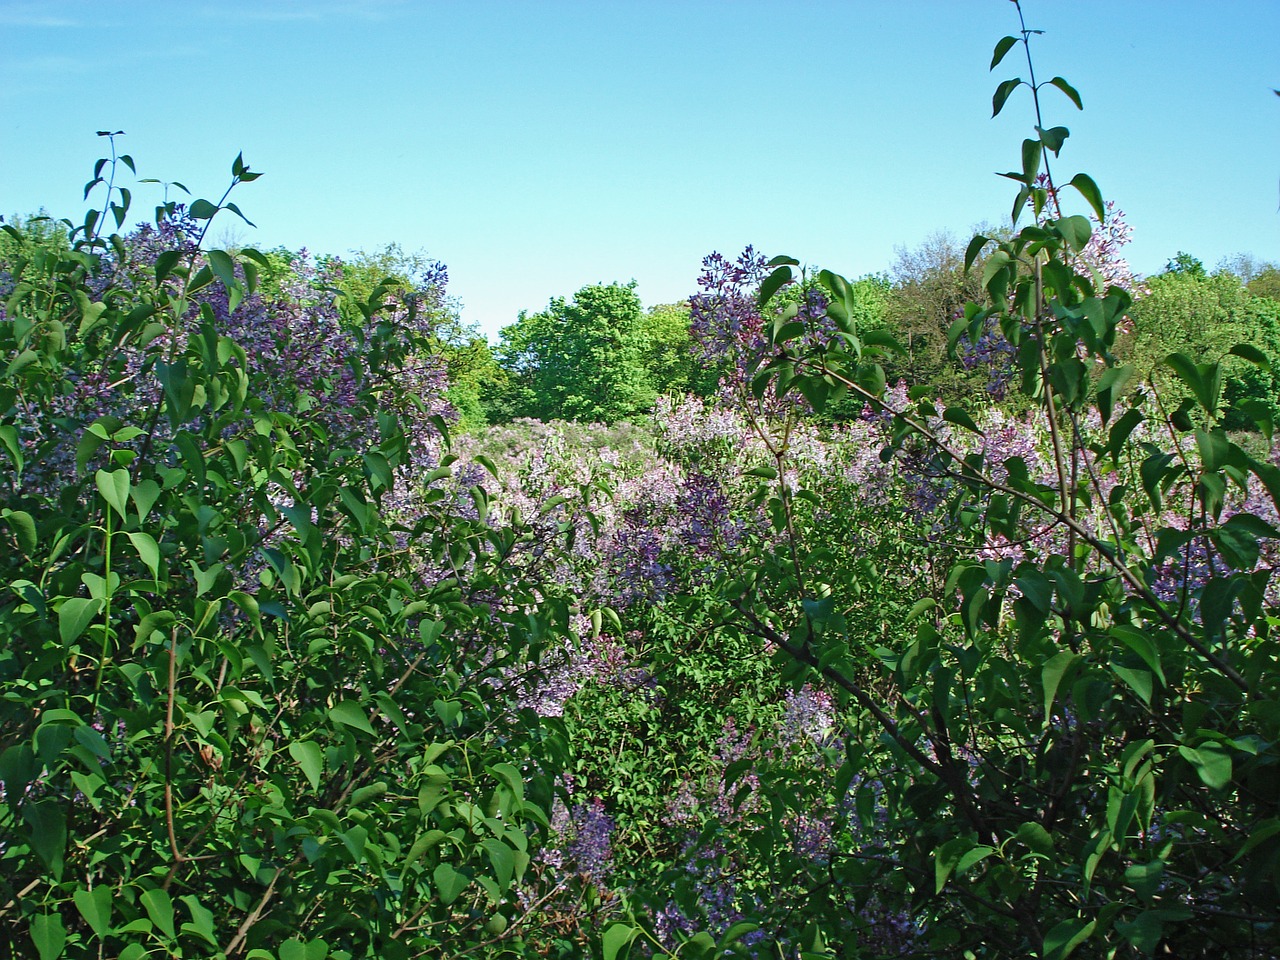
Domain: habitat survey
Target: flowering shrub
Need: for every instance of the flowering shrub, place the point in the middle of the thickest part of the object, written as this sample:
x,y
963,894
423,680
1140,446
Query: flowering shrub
x,y
1027,744
820,666
236,722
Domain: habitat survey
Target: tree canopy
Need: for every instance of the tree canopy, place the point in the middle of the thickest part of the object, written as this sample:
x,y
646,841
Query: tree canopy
x,y
579,359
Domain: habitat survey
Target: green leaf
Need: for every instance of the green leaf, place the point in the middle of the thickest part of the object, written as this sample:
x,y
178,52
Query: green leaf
x,y
1065,937
1069,90
372,793
617,940
201,279
1032,150
772,284
1145,878
884,340
946,857
201,920
201,210
236,210
24,359
1110,385
95,906
307,755
973,856
1214,448
1251,353
223,267
9,436
919,607
737,931
449,882
1138,680
160,909
351,714
996,264
1089,190
355,839
1053,138
1252,526
1193,375
1212,763
501,859
1121,432
206,580
1035,837
148,551
974,248
510,775
48,836
1141,644
114,487
1258,834
1003,46
871,378
1035,587
1002,94
960,417
165,263
1051,675
23,526
74,617
49,934
1076,231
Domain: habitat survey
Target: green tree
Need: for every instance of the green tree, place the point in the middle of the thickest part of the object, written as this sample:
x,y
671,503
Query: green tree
x,y
415,283
1204,316
1183,262
40,230
669,356
930,289
1266,283
582,359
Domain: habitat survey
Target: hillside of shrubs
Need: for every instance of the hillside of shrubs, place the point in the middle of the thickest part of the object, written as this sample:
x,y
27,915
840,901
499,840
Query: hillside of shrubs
x,y
922,614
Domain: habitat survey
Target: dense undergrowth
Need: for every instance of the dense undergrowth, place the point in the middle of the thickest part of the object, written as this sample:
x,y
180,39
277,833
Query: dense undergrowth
x,y
821,662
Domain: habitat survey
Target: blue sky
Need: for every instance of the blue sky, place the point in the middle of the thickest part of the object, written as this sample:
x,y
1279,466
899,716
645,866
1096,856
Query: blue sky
x,y
536,147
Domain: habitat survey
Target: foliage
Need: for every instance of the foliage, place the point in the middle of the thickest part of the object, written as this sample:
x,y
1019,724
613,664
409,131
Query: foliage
x,y
240,717
1204,316
1266,283
414,285
1262,278
1075,747
930,289
1185,264
829,658
669,359
578,360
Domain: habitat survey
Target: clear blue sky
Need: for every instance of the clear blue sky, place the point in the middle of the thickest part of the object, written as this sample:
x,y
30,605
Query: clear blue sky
x,y
536,147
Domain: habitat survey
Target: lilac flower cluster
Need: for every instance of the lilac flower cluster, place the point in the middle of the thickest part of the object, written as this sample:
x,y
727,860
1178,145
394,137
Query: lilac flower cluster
x,y
1102,252
584,835
808,715
991,353
301,355
723,316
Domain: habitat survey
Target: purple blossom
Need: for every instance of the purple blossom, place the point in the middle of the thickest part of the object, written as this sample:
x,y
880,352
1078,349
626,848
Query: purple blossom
x,y
584,834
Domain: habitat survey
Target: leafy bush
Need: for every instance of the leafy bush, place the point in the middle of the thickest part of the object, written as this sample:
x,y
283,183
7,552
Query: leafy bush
x,y
1072,745
240,717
